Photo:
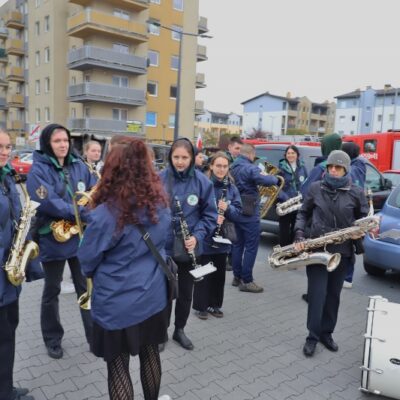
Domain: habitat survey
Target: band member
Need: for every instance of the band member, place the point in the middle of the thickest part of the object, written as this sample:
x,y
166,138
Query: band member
x,y
209,293
55,176
92,155
196,196
129,306
330,205
244,252
10,211
294,172
234,146
199,159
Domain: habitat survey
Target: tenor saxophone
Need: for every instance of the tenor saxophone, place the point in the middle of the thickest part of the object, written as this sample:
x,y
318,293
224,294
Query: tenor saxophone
x,y
22,251
288,257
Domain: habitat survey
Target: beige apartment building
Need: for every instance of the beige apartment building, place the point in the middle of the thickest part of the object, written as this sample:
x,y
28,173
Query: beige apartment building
x,y
100,67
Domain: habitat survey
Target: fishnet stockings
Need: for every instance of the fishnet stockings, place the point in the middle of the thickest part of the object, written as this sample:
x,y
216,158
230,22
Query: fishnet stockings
x,y
119,380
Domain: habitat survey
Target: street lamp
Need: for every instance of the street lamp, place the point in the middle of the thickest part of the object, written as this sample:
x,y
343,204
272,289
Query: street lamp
x,y
178,84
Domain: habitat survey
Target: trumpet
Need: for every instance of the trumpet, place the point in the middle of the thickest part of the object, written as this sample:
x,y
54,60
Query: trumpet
x,y
198,271
289,206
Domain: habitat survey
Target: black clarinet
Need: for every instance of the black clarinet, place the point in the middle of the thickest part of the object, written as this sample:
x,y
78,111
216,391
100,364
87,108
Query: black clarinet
x,y
220,210
186,233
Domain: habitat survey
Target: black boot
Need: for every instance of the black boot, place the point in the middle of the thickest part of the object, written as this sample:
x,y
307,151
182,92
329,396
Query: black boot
x,y
180,337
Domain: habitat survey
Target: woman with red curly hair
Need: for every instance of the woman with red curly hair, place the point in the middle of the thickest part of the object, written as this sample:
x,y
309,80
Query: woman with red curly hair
x,y
129,300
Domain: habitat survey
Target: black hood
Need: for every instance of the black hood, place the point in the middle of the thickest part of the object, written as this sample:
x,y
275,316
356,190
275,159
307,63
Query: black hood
x,y
352,149
189,171
45,136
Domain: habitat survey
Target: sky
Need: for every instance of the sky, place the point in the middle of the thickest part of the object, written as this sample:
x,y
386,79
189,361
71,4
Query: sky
x,y
314,48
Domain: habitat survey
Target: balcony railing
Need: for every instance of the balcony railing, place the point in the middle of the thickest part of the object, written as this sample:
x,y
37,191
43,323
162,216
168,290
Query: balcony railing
x,y
199,107
15,47
3,32
15,20
88,57
15,74
200,80
136,5
91,91
201,53
92,22
16,100
15,125
203,25
98,125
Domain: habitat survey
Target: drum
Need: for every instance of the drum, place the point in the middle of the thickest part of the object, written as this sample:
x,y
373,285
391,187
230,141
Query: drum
x,y
381,361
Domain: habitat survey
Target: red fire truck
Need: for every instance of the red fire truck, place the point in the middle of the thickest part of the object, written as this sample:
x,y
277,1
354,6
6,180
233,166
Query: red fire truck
x,y
382,149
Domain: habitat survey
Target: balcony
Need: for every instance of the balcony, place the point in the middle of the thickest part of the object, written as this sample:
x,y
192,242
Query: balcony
x,y
200,81
3,103
91,22
89,91
98,126
201,53
3,56
202,25
15,47
15,125
15,74
15,101
199,107
3,32
88,57
318,116
134,5
15,20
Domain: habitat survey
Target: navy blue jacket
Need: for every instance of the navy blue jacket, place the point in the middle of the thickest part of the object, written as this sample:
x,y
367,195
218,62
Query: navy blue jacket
x,y
247,178
293,179
195,193
358,170
315,175
10,211
232,213
47,186
128,284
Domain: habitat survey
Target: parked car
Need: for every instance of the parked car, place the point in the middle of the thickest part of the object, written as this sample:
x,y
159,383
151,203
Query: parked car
x,y
272,153
383,254
22,162
393,175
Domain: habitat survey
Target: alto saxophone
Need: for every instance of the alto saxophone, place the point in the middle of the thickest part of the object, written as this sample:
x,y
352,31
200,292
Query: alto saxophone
x,y
287,257
22,251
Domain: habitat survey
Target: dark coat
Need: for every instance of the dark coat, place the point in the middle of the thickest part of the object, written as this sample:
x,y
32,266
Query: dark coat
x,y
358,171
326,210
293,179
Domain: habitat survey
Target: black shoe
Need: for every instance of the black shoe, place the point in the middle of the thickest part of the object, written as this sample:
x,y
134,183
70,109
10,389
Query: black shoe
x,y
18,392
180,337
55,351
215,312
329,343
305,297
201,314
309,348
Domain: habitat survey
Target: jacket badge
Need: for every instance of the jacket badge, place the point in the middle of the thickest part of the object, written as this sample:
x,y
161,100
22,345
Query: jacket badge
x,y
42,192
192,200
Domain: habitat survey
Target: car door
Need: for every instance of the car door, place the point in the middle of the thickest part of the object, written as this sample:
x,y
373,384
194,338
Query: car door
x,y
375,181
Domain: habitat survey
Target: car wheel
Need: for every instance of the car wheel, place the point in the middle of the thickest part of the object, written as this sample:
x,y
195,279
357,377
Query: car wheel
x,y
372,270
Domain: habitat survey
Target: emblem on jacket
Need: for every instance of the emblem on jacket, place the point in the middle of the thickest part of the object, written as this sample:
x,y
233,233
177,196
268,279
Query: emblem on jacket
x,y
42,192
81,186
192,200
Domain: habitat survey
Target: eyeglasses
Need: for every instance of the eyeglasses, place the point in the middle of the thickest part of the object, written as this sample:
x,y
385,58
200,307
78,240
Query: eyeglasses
x,y
220,166
7,147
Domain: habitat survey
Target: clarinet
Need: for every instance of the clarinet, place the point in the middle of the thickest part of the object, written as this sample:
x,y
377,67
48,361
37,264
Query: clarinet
x,y
185,233
220,210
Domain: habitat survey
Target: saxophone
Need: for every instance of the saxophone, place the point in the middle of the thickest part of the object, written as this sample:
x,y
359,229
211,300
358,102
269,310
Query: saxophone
x,y
287,257
22,251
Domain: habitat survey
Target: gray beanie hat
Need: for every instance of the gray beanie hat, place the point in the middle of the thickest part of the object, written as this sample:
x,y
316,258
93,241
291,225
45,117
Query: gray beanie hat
x,y
340,158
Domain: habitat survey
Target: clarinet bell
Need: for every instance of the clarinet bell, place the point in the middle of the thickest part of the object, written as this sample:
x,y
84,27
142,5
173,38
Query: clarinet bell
x,y
200,271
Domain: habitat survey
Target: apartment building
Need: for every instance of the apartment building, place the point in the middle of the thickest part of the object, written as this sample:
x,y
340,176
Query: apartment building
x,y
99,66
217,124
282,115
369,110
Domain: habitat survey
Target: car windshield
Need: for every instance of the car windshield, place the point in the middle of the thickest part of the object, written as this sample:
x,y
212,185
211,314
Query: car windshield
x,y
394,198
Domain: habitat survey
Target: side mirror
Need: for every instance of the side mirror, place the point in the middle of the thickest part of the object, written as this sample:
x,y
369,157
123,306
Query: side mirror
x,y
388,183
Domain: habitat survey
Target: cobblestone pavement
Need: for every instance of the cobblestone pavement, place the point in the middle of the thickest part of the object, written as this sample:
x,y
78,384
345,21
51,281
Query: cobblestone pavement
x,y
254,352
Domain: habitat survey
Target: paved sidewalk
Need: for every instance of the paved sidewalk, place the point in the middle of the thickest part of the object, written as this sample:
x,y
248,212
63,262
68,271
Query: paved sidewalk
x,y
254,352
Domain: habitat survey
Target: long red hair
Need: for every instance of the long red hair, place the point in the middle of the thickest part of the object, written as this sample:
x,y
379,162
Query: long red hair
x,y
129,184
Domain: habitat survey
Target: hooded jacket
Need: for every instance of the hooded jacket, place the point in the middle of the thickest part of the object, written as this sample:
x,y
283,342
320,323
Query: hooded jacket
x,y
329,142
293,179
358,168
53,186
10,212
196,195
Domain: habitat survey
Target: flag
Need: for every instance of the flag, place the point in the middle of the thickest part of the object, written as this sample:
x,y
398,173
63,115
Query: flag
x,y
199,142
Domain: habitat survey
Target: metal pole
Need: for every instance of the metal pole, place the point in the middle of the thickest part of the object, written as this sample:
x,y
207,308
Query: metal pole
x,y
178,89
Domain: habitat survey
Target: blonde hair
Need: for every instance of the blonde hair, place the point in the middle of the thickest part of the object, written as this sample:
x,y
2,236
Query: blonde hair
x,y
87,145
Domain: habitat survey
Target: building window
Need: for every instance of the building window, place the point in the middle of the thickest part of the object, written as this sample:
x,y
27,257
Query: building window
x,y
73,112
86,112
172,92
37,114
153,58
391,117
178,5
155,1
121,14
121,81
379,117
46,85
37,58
154,28
353,118
47,55
47,114
37,28
37,86
152,88
46,23
151,118
121,48
341,119
73,80
119,114
171,121
37,3
174,62
175,32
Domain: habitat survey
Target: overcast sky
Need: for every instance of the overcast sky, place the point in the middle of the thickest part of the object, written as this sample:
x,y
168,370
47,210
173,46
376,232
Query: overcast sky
x,y
314,48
